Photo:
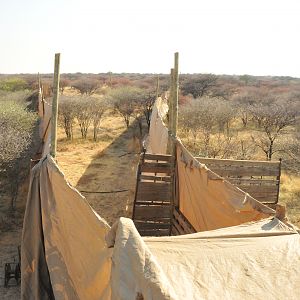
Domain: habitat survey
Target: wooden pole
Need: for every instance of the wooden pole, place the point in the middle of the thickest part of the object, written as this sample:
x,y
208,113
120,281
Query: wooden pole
x,y
173,103
39,81
175,95
55,105
170,102
170,113
281,212
157,86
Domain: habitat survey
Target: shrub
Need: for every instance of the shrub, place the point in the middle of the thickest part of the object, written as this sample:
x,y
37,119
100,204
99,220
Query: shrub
x,y
13,84
19,140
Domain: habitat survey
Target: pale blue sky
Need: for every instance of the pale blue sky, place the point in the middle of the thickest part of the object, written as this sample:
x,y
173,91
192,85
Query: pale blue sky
x,y
259,37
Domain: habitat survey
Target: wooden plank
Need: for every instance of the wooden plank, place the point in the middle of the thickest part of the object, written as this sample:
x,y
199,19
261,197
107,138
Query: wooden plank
x,y
163,232
158,157
153,203
166,220
266,198
259,189
160,221
164,168
163,187
232,162
174,231
157,179
253,181
153,197
183,222
149,191
154,212
243,171
178,227
147,225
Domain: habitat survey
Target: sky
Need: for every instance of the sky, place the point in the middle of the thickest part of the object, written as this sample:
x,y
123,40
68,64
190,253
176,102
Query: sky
x,y
256,37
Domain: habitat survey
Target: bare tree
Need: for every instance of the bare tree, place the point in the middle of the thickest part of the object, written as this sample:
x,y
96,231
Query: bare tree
x,y
84,114
224,113
199,86
86,86
124,99
99,107
199,117
145,104
273,119
67,114
222,146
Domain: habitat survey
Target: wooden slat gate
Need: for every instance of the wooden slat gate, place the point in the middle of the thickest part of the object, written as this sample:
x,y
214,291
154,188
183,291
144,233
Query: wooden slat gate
x,y
153,198
154,213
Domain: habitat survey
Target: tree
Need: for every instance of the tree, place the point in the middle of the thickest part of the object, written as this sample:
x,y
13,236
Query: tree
x,y
19,141
224,113
199,86
98,109
66,114
86,86
272,119
144,105
124,100
84,113
199,117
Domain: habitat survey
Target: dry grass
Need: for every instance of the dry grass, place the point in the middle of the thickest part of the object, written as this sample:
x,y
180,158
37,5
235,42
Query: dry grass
x,y
290,196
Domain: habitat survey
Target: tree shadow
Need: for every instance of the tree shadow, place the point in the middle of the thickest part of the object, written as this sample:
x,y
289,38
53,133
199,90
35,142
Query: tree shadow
x,y
112,172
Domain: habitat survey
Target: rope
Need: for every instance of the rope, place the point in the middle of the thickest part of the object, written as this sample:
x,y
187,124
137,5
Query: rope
x,y
104,192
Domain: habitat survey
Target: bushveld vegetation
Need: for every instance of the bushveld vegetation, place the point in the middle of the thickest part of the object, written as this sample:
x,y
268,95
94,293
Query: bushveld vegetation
x,y
239,117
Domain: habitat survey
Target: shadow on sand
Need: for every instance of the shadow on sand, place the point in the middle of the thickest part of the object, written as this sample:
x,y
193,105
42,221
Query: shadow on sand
x,y
113,169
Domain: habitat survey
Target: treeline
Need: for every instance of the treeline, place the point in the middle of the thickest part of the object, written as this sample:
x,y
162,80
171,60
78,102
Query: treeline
x,y
240,117
243,117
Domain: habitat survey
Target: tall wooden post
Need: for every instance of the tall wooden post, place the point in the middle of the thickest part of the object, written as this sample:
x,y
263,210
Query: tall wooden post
x,y
157,86
55,105
170,113
39,81
173,103
175,96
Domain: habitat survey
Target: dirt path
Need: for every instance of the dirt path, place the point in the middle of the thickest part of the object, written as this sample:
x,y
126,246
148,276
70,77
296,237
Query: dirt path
x,y
105,167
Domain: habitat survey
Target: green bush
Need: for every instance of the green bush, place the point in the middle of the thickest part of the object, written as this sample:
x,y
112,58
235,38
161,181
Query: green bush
x,y
19,140
13,84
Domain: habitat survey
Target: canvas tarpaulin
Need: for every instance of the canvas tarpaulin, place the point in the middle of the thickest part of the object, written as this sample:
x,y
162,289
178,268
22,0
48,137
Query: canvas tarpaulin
x,y
157,140
210,202
44,112
258,260
64,255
